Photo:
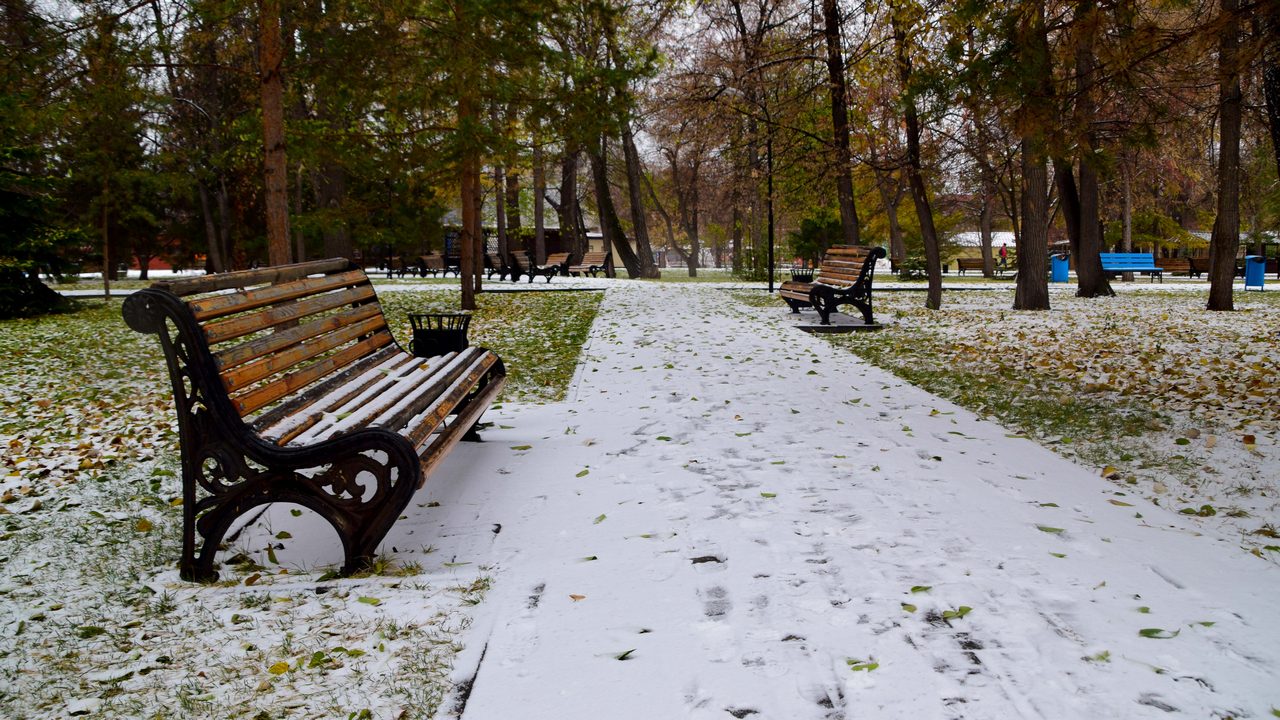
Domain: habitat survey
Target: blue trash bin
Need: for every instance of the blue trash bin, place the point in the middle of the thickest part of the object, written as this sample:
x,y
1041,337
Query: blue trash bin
x,y
1255,269
1058,268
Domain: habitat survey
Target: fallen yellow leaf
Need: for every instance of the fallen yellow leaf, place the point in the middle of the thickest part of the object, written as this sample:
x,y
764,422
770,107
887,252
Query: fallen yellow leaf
x,y
576,598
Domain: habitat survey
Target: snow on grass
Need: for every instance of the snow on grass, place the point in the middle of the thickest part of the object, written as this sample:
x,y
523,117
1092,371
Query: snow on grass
x,y
1173,403
93,618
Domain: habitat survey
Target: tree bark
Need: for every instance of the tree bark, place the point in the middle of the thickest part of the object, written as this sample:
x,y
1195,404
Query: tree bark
x,y
984,232
1090,280
1225,241
568,208
513,199
1268,24
1034,117
331,193
840,122
639,221
275,169
891,199
539,202
500,207
610,227
106,236
915,178
214,261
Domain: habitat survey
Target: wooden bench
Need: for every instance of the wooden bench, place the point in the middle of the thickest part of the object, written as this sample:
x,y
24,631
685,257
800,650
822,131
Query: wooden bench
x,y
1133,262
592,263
432,264
1174,265
523,263
290,388
843,278
965,264
493,263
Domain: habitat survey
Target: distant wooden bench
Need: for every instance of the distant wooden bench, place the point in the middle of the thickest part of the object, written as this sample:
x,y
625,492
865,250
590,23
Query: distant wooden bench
x,y
493,263
592,263
1198,266
290,388
432,264
525,265
843,278
1133,262
1174,266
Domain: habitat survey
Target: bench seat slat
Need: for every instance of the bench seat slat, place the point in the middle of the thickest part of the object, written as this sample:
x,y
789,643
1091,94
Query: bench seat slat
x,y
223,305
424,412
432,452
410,379
242,377
351,386
260,397
231,328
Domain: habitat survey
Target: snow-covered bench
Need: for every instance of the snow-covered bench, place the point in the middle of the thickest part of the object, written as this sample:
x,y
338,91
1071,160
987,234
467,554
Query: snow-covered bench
x,y
843,278
290,388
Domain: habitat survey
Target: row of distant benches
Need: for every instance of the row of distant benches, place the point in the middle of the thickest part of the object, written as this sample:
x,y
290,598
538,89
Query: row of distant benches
x,y
515,265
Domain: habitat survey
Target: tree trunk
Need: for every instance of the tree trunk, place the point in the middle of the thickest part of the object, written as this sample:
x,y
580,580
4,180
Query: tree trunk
x,y
1268,24
891,199
275,169
144,264
1126,208
735,237
689,201
513,198
225,238
639,220
500,207
568,207
840,122
610,226
539,202
984,231
1035,116
1225,241
214,260
299,239
331,193
915,178
1090,280
469,188
106,236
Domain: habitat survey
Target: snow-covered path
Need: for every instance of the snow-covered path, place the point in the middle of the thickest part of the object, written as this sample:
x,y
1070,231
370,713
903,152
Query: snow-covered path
x,y
733,519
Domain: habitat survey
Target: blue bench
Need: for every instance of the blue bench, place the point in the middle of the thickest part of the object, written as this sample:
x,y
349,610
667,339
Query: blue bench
x,y
1116,263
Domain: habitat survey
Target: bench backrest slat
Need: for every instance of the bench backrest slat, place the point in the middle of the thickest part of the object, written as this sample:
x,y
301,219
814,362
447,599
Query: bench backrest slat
x,y
245,278
255,349
245,375
842,266
558,258
234,303
241,325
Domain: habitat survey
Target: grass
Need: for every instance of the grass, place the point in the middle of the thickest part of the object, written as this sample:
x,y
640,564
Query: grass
x,y
90,524
537,335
